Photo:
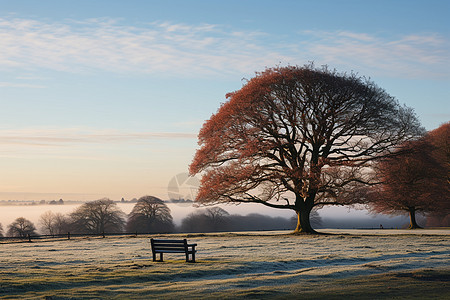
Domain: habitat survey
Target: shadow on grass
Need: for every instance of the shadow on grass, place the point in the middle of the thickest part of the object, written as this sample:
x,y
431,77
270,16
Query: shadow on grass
x,y
419,284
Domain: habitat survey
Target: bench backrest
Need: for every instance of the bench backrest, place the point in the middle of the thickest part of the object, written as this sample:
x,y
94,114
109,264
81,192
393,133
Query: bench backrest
x,y
169,245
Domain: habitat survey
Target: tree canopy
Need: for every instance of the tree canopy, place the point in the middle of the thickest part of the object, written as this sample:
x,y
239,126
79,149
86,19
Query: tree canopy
x,y
150,214
99,216
415,180
21,227
298,137
440,141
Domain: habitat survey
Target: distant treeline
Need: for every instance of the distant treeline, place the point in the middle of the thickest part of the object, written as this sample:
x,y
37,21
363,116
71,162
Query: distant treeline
x,y
149,215
152,215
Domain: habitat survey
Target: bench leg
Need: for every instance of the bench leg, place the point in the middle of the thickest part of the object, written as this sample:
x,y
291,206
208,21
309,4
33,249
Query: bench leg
x,y
192,255
160,257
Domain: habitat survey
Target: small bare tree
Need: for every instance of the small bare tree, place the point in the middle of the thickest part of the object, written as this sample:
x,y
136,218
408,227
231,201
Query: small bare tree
x,y
62,223
53,223
21,227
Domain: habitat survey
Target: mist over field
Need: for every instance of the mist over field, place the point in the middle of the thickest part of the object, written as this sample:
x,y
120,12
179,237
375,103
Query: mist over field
x,y
331,217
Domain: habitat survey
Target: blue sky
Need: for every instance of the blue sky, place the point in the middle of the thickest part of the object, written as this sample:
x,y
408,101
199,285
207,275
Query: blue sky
x,y
105,98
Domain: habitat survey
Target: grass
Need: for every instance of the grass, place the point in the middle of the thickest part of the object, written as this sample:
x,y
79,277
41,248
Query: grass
x,y
230,266
421,284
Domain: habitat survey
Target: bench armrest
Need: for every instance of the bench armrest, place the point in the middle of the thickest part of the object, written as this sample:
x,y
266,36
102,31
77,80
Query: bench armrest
x,y
192,246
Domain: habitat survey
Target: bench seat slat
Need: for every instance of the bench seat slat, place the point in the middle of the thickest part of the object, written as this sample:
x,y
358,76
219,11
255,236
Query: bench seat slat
x,y
168,241
169,245
171,248
172,251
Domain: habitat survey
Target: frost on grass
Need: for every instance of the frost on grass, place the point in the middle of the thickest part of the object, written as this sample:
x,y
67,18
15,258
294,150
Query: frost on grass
x,y
229,265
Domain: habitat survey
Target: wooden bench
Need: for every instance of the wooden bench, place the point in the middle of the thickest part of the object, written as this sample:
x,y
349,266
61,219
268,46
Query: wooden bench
x,y
172,246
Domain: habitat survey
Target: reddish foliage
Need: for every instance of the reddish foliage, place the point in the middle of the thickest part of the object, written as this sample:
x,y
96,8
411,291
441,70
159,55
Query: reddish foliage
x,y
440,139
417,179
297,137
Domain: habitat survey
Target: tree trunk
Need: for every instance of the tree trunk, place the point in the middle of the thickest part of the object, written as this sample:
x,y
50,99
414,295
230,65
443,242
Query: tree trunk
x,y
303,222
412,217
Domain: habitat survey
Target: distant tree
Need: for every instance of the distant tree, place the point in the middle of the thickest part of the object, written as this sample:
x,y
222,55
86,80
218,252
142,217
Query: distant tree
x,y
61,223
21,227
46,221
149,215
438,219
298,137
1,230
98,217
195,222
413,182
440,140
53,223
217,217
211,219
256,221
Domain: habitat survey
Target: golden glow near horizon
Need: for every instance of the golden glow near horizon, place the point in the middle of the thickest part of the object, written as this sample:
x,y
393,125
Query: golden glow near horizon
x,y
85,166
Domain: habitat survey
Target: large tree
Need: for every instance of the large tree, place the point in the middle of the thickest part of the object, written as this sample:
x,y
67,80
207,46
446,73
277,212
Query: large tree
x,y
99,216
150,214
21,227
416,180
298,137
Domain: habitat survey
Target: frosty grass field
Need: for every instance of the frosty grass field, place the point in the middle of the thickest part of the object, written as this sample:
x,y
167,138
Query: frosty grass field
x,y
347,263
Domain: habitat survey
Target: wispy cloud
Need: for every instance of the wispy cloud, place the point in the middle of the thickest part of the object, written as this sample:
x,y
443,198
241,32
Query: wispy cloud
x,y
21,85
75,136
410,56
104,44
171,49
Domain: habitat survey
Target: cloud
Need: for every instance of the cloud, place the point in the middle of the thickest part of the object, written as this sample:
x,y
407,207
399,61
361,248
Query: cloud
x,y
202,50
107,45
21,85
71,136
410,56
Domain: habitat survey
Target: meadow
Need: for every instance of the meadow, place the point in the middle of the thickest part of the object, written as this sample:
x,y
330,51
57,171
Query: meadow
x,y
359,264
